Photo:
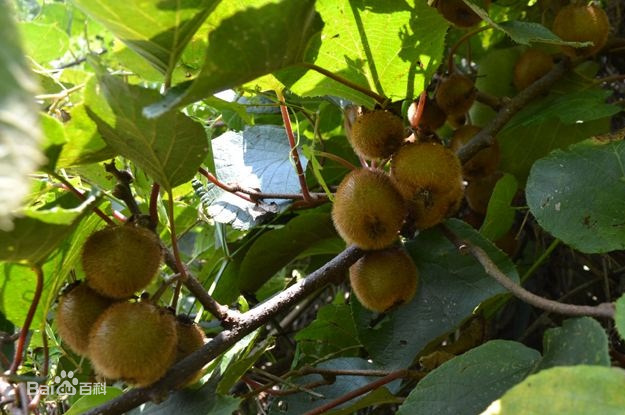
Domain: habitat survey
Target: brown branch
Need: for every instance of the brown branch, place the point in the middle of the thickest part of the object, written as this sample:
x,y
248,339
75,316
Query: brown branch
x,y
248,322
294,153
360,391
230,189
604,310
122,188
82,197
154,204
486,136
21,341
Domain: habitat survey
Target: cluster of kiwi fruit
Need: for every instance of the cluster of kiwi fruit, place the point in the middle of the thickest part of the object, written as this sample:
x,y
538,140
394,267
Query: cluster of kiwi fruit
x,y
101,319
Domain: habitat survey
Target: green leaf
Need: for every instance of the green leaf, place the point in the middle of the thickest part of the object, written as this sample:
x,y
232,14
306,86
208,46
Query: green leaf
x,y
522,146
579,195
245,45
44,42
580,341
157,30
54,140
575,390
619,317
85,144
570,108
240,366
301,403
40,232
169,150
524,33
87,402
451,285
276,248
383,45
333,332
500,214
256,158
468,383
20,133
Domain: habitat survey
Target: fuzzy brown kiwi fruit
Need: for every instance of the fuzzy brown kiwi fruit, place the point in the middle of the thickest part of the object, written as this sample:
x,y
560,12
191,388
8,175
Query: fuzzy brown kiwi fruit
x,y
377,134
456,94
119,261
384,279
429,176
432,118
532,65
368,209
190,338
485,162
79,308
458,13
135,342
582,23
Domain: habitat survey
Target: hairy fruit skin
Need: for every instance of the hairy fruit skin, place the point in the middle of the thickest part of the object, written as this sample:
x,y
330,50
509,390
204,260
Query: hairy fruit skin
x,y
580,23
190,338
135,342
485,162
456,94
429,176
383,279
377,134
368,210
120,261
458,13
76,314
532,65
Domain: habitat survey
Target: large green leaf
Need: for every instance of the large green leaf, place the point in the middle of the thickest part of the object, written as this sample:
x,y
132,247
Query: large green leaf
x,y
468,383
574,390
388,46
169,149
245,45
580,341
274,249
44,42
39,232
157,30
578,195
451,285
19,125
332,333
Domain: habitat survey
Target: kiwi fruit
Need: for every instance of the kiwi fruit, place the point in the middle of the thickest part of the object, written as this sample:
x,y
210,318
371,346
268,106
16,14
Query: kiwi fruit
x,y
458,13
368,209
485,162
384,279
119,261
134,342
79,308
190,338
432,118
456,94
429,177
532,65
582,23
377,134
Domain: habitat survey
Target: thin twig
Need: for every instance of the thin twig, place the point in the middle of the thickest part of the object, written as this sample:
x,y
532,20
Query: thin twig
x,y
214,180
154,204
336,158
360,391
487,135
333,270
294,153
122,188
604,310
21,341
452,51
180,268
